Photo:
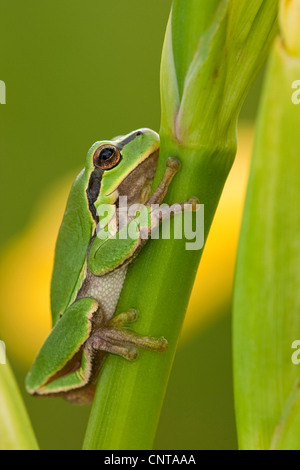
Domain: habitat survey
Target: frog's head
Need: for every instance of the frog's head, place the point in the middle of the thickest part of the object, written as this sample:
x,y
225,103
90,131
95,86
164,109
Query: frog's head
x,y
122,166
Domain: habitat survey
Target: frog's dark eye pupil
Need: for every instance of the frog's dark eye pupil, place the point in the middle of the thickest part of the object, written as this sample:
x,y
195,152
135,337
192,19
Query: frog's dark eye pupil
x,y
106,157
106,154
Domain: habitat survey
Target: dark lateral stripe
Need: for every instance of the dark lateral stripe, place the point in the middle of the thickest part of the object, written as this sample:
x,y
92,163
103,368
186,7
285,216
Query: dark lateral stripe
x,y
93,191
128,139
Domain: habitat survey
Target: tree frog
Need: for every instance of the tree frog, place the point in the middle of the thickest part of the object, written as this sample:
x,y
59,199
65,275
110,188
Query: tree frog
x,y
89,272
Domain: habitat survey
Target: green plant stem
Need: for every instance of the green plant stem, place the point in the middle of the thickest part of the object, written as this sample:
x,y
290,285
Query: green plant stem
x,y
132,394
15,428
129,397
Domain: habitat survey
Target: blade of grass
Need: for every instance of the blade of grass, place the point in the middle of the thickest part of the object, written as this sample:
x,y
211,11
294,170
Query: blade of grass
x,y
267,287
15,428
198,126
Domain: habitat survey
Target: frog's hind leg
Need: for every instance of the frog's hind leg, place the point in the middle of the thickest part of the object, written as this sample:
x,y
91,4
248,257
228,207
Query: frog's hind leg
x,y
123,319
61,365
95,350
126,337
116,339
101,342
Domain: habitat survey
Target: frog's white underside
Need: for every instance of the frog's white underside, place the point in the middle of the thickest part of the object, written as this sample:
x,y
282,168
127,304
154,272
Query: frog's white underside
x,y
106,290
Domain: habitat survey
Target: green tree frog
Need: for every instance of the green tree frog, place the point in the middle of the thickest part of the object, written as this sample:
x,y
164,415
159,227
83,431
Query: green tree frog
x,y
89,272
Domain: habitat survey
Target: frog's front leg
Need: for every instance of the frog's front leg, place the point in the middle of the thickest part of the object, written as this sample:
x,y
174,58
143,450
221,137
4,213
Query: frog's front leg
x,y
157,212
172,167
108,254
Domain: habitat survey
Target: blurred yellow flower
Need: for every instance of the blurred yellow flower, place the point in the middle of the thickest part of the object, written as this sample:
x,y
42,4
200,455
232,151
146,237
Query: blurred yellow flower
x,y
26,265
25,276
289,19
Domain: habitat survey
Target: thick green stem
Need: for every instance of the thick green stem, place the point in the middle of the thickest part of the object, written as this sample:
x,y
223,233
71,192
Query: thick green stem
x,y
159,286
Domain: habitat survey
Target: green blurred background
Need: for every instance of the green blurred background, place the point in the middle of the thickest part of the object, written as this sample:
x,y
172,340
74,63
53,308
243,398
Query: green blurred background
x,y
77,72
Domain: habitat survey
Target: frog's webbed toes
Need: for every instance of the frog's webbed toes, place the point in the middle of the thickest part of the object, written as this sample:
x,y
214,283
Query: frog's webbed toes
x,y
98,343
173,164
123,337
116,339
194,202
123,318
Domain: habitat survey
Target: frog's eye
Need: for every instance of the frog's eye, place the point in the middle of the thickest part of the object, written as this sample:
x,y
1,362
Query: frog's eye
x,y
106,157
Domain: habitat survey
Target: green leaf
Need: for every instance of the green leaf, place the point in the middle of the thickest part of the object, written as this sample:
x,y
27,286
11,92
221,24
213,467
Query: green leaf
x,y
211,53
15,428
267,287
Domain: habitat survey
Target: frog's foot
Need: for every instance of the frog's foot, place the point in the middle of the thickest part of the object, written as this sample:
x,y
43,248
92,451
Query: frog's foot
x,y
172,167
162,213
98,342
116,339
193,202
123,319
